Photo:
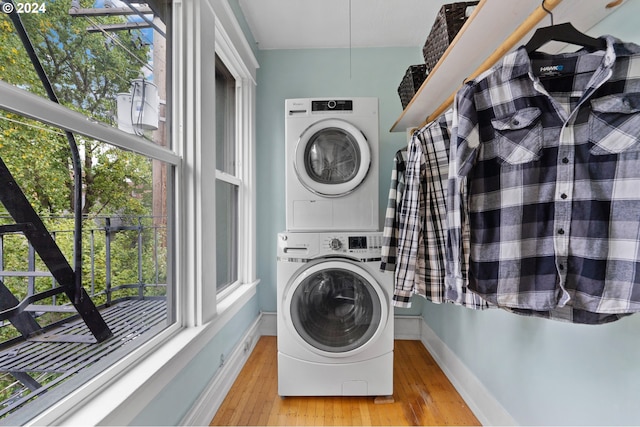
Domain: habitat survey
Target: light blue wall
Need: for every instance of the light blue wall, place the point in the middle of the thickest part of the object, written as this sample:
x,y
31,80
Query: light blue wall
x,y
284,74
547,372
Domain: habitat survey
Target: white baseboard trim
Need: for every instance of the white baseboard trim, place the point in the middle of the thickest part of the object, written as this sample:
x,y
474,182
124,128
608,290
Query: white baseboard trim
x,y
205,408
269,324
407,327
482,403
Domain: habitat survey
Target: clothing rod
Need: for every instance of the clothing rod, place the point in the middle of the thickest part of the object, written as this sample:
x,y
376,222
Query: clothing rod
x,y
523,29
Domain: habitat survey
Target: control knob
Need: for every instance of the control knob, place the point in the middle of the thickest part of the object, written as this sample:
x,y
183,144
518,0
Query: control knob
x,y
335,244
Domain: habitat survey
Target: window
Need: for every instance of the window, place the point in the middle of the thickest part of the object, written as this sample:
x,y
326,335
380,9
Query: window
x,y
224,126
228,185
110,78
164,213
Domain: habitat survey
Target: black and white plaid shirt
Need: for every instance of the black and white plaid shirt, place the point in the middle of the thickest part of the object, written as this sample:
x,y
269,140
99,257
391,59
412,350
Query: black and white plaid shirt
x,y
545,173
422,237
390,230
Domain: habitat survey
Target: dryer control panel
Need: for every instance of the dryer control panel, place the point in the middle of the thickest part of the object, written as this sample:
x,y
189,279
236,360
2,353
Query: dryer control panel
x,y
332,105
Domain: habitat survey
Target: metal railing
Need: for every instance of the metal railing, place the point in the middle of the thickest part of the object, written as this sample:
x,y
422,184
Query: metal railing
x,y
136,244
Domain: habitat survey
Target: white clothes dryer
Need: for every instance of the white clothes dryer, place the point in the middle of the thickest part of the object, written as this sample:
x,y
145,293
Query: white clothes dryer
x,y
335,315
332,164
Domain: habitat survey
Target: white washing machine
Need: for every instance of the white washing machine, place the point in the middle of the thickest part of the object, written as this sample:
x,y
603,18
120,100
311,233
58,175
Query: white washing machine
x,y
335,316
332,164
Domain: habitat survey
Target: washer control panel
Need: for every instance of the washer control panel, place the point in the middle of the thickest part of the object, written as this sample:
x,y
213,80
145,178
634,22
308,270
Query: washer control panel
x,y
335,244
353,244
363,245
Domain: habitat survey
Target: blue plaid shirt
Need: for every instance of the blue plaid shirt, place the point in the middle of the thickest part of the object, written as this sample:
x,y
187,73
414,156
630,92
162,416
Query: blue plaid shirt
x,y
545,178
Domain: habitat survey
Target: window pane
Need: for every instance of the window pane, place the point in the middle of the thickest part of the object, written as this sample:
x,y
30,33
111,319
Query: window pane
x,y
226,234
225,119
125,258
111,68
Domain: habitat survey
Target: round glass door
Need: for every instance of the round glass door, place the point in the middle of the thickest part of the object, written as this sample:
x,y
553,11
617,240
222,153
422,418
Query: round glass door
x,y
336,308
332,158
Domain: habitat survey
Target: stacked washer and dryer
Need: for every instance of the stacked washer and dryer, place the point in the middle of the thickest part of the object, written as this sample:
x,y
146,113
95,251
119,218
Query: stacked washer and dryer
x,y
335,315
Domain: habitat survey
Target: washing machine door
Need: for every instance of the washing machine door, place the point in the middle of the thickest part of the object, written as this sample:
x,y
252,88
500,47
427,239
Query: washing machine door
x,y
335,307
332,158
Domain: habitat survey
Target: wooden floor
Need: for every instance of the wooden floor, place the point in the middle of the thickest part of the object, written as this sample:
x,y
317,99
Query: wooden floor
x,y
422,396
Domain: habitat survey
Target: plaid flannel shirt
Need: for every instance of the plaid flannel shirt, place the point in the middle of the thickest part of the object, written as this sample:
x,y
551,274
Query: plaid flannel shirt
x,y
422,239
390,230
545,175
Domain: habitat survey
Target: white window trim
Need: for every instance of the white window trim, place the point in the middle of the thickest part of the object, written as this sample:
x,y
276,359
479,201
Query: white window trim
x,y
119,394
30,105
228,41
235,59
226,177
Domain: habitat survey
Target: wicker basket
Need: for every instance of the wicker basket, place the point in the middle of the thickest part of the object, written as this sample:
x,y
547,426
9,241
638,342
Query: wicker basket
x,y
448,23
412,80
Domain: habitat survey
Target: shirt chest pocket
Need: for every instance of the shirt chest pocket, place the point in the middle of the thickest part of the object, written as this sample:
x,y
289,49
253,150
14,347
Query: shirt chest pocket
x,y
517,138
614,124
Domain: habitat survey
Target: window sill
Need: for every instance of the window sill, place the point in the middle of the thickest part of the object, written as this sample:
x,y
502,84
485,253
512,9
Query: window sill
x,y
116,399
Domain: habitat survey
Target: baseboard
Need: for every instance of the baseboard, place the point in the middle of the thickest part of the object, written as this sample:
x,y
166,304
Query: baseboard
x,y
205,408
407,327
482,403
269,324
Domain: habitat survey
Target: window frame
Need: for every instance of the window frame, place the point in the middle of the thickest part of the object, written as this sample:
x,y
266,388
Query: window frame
x,y
118,394
231,172
234,58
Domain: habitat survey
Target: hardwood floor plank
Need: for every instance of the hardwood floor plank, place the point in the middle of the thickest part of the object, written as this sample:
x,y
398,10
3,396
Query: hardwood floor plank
x,y
423,395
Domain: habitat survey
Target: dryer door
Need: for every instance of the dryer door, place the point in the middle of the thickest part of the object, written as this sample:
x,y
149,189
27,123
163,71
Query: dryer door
x,y
335,307
332,158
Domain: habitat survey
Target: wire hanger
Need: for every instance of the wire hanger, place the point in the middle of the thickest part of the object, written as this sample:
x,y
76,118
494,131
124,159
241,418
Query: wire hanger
x,y
564,32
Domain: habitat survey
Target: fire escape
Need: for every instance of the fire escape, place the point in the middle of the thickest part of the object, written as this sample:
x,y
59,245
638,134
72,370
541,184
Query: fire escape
x,y
29,223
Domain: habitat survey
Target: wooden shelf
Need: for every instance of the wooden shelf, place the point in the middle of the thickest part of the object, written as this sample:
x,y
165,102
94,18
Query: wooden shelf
x,y
495,28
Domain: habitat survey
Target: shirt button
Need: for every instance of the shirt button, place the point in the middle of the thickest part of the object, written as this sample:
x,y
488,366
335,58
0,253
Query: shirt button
x,y
561,266
563,196
515,122
565,160
560,231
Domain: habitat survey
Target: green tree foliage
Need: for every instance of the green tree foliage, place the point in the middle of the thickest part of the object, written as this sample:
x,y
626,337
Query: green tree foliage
x,y
87,71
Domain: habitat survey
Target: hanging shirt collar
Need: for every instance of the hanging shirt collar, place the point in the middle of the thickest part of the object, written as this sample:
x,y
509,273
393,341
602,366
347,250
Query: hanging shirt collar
x,y
518,62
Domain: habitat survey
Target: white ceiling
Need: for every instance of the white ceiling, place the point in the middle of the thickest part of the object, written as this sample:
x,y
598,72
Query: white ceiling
x,y
300,24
